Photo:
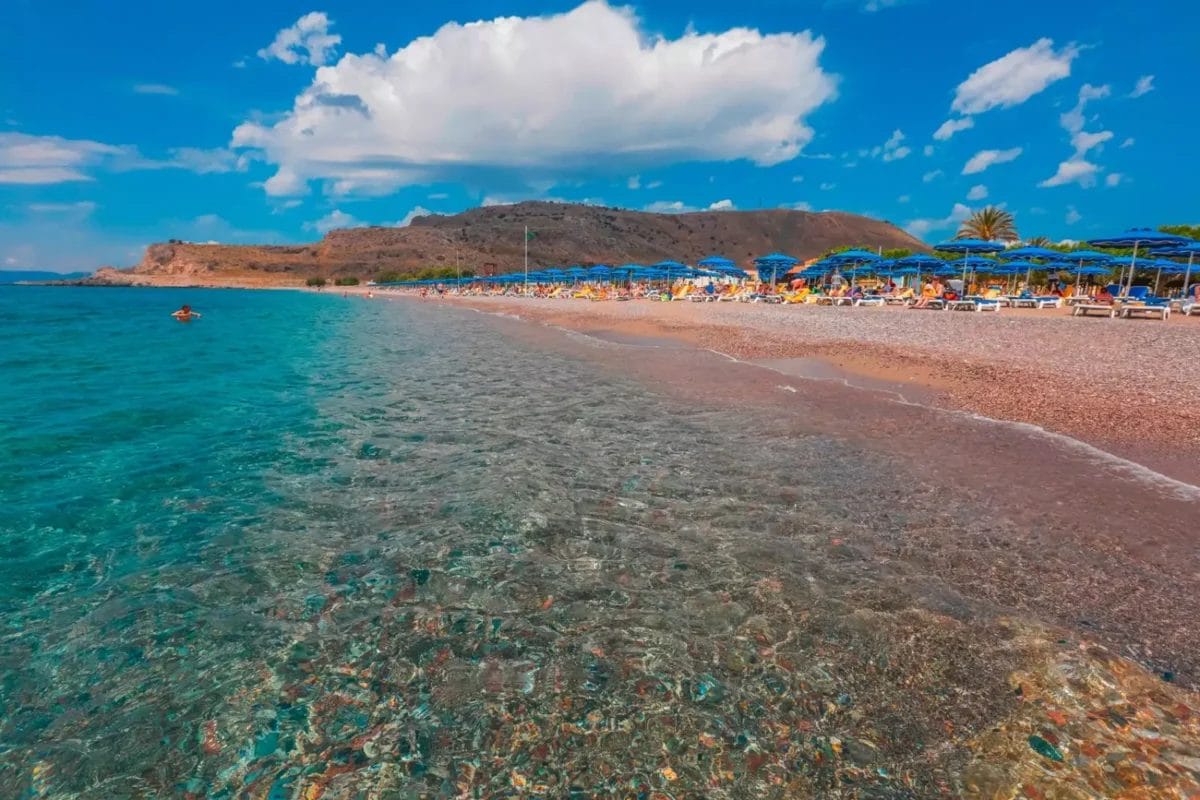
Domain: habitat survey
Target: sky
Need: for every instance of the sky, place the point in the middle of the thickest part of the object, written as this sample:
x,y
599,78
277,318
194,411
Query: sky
x,y
273,121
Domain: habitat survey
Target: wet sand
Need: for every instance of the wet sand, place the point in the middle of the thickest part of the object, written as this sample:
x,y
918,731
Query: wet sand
x,y
1128,387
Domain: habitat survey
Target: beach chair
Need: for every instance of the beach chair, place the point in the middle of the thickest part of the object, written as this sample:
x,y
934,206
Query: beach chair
x,y
1146,310
871,300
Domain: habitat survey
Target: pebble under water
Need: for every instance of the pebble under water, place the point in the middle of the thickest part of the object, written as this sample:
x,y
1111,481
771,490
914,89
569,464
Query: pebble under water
x,y
318,547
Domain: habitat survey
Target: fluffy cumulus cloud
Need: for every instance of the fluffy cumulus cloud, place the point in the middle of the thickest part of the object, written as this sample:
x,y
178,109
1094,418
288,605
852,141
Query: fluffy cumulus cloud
x,y
669,207
923,226
334,219
978,192
988,158
1073,215
307,41
587,90
1113,179
1014,78
951,127
932,175
417,211
722,205
1145,85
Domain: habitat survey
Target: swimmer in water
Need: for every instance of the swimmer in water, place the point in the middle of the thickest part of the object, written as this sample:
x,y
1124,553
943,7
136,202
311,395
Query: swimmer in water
x,y
185,314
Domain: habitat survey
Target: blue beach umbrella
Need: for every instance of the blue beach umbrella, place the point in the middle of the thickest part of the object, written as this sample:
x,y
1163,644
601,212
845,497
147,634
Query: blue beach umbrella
x,y
969,247
1189,250
719,263
1135,238
1026,253
775,264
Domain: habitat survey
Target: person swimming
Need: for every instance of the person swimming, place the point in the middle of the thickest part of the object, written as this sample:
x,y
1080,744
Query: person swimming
x,y
185,314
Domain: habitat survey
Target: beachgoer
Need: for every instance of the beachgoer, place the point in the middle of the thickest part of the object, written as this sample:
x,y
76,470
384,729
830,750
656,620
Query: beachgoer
x,y
185,313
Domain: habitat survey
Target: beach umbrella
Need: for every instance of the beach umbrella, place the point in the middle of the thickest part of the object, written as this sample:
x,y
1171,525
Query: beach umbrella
x,y
918,263
1189,250
719,263
1135,238
853,257
969,247
1027,253
775,264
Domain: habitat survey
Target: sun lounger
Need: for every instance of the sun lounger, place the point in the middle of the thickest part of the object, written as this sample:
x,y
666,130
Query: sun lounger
x,y
1037,302
1190,308
1094,309
873,300
1076,299
1160,310
898,300
960,305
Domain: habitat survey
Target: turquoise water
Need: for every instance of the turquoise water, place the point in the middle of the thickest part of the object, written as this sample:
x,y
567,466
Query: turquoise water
x,y
313,546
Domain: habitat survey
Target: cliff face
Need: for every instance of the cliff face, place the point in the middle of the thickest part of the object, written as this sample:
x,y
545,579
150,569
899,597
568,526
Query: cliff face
x,y
490,240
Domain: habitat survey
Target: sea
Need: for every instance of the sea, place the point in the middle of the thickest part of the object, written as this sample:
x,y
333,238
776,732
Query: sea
x,y
315,546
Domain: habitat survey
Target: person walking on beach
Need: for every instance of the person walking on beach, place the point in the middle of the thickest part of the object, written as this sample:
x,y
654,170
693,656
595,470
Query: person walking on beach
x,y
185,313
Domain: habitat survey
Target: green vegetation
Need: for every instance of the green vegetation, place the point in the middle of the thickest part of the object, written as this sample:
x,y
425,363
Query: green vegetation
x,y
432,273
990,224
1190,231
318,282
349,281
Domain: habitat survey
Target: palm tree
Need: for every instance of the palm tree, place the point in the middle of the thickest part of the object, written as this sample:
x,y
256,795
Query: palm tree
x,y
989,224
1039,241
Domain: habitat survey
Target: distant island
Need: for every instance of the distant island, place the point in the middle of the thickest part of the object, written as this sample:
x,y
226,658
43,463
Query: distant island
x,y
490,240
10,276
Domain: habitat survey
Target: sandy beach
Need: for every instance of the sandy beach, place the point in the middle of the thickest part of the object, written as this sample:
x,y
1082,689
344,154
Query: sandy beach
x,y
1125,386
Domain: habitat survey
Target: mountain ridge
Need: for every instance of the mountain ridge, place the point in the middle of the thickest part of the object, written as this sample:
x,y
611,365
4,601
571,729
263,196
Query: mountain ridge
x,y
490,239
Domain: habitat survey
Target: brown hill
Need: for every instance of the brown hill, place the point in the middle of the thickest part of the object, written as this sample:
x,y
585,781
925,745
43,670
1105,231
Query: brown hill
x,y
490,240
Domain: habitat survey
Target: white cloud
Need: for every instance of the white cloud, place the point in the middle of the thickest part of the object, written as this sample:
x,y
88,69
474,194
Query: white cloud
x,y
951,127
722,205
417,211
928,151
654,184
891,150
386,121
1145,85
203,161
1014,78
239,64
1074,120
978,192
1128,143
987,158
1075,170
921,227
334,219
1113,179
635,182
82,208
800,205
155,88
669,207
904,198
26,159
932,175
797,179
825,187
1073,215
307,41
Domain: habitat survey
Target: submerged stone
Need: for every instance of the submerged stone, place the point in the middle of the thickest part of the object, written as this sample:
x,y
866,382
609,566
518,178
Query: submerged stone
x,y
1044,748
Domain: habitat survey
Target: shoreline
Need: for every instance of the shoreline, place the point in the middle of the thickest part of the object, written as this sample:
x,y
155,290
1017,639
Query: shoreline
x,y
1154,423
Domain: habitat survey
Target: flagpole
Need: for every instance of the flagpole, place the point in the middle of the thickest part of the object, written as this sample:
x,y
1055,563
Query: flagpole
x,y
526,260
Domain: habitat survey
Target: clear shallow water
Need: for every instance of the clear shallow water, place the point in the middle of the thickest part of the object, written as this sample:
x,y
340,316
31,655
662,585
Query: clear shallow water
x,y
311,546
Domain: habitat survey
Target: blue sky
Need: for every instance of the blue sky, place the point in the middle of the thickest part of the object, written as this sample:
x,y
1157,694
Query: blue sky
x,y
274,121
